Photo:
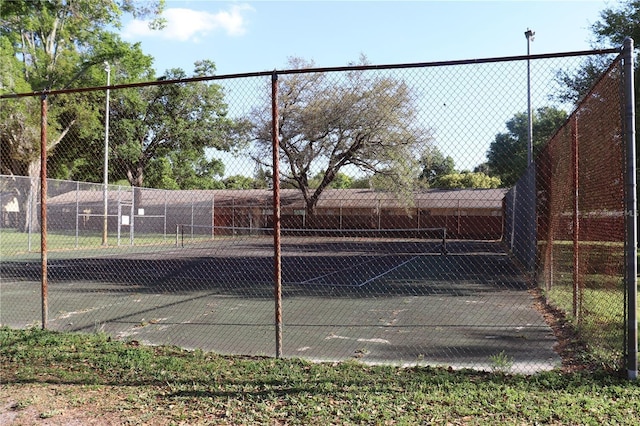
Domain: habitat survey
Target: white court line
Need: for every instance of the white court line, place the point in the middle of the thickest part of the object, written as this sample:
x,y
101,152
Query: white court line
x,y
328,274
309,281
390,270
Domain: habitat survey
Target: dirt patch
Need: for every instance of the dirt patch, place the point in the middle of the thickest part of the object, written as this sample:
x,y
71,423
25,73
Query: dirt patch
x,y
569,344
69,405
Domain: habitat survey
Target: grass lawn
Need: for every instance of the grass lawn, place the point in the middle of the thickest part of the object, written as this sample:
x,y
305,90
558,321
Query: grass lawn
x,y
90,379
13,243
600,296
18,243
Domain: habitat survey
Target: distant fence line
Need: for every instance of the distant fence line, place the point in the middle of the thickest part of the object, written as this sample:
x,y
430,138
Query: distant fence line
x,y
77,207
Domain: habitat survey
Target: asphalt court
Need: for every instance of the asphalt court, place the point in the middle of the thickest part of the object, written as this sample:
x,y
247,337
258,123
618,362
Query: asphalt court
x,y
461,309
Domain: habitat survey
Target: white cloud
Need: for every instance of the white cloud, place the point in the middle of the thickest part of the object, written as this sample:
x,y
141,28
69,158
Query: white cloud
x,y
190,25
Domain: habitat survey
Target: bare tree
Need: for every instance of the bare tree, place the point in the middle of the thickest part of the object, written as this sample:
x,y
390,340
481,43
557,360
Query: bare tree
x,y
361,119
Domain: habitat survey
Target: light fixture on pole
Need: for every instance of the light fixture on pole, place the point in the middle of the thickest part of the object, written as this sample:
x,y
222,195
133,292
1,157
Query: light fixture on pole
x,y
106,158
529,35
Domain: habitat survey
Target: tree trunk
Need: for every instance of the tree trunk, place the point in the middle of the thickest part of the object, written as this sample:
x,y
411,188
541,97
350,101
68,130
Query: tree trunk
x,y
27,173
311,206
136,179
28,194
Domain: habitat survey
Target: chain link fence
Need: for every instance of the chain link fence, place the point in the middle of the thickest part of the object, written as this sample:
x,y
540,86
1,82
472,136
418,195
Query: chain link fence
x,y
387,227
581,219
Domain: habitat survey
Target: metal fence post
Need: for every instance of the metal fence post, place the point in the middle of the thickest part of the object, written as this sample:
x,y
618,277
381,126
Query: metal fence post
x,y
119,213
277,255
164,219
213,215
43,210
132,213
29,216
631,252
577,291
192,213
77,213
105,176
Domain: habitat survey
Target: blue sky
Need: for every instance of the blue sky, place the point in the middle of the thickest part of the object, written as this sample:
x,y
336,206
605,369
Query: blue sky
x,y
260,35
243,37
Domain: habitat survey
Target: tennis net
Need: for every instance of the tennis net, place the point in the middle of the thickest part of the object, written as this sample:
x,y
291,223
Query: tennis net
x,y
412,241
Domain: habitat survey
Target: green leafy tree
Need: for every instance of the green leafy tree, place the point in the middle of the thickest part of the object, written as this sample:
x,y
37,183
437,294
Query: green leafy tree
x,y
174,121
54,41
482,168
263,178
575,85
617,21
361,183
239,182
160,174
75,159
466,180
507,155
19,119
341,181
186,169
435,165
365,121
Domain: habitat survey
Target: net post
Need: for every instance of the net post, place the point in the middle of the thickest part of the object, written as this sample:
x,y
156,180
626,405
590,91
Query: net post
x,y
164,219
444,241
631,247
213,216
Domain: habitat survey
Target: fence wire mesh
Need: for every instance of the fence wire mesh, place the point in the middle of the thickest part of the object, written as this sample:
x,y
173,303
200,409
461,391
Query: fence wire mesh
x,y
581,225
398,206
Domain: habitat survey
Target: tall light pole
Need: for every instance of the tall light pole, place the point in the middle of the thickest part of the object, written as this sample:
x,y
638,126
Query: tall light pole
x,y
106,158
529,35
530,190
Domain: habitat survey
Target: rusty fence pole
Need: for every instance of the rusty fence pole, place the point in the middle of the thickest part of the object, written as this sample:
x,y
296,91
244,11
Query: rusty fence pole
x,y
277,255
43,210
577,291
631,217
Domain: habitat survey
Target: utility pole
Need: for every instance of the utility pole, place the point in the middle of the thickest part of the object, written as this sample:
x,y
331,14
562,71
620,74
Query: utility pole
x,y
529,35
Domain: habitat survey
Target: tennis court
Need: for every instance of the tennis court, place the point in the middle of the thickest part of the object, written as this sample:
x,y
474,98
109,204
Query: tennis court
x,y
381,300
